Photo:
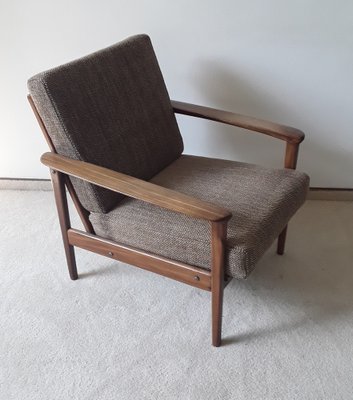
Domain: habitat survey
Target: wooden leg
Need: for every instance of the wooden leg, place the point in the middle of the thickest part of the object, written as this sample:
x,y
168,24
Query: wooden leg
x,y
290,162
219,233
64,219
281,241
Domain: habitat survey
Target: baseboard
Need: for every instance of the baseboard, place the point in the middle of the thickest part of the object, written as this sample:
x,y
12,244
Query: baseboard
x,y
25,184
45,184
330,194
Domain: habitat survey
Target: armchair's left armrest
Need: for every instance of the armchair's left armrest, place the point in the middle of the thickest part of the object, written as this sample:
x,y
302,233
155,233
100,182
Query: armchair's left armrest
x,y
286,133
136,188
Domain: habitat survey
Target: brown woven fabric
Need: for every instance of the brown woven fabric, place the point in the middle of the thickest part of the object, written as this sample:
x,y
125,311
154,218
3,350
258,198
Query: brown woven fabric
x,y
262,201
112,109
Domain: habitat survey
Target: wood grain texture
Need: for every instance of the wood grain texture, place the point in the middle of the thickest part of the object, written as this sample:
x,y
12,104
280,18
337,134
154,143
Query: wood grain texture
x,y
219,235
136,188
193,276
286,133
64,219
291,156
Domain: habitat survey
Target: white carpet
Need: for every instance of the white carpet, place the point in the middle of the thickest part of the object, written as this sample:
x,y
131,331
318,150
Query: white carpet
x,y
122,333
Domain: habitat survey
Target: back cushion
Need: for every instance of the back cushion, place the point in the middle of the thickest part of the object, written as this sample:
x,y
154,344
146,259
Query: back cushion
x,y
112,109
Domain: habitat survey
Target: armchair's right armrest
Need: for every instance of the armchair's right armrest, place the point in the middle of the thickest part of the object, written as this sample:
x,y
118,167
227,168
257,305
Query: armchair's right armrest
x,y
286,133
136,188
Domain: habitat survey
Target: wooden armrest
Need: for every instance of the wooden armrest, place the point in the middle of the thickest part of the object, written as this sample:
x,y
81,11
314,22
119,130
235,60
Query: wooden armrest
x,y
290,135
136,188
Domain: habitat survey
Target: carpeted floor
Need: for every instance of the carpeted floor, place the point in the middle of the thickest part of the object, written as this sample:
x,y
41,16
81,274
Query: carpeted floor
x,y
122,333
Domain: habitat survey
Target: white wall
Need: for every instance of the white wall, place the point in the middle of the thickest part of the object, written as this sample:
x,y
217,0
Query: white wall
x,y
287,61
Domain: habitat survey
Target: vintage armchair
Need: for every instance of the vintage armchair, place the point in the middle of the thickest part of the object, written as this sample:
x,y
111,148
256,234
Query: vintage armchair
x,y
115,145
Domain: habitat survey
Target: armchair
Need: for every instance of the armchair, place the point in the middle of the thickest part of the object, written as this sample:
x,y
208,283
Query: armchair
x,y
116,146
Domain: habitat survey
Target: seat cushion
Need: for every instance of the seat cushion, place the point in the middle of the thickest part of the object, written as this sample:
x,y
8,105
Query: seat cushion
x,y
110,108
262,200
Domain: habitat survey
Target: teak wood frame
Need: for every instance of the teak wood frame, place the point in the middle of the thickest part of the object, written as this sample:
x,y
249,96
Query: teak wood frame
x,y
213,280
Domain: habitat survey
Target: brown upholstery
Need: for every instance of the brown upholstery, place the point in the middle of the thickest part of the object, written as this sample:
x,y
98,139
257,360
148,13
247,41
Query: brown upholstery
x,y
262,201
112,109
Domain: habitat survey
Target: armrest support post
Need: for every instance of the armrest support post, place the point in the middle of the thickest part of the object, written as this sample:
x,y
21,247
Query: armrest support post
x,y
291,156
290,162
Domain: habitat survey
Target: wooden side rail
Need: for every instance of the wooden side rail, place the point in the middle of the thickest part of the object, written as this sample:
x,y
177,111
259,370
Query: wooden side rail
x,y
181,272
136,188
286,133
